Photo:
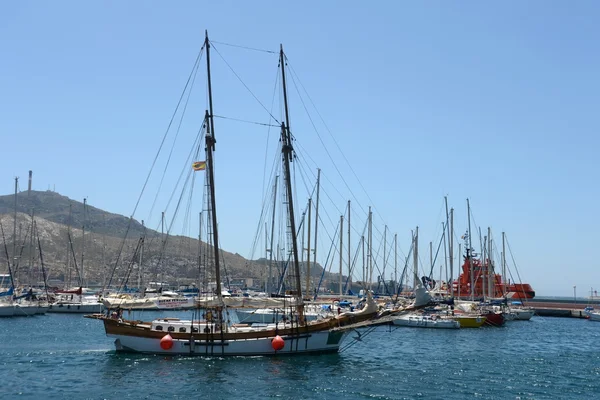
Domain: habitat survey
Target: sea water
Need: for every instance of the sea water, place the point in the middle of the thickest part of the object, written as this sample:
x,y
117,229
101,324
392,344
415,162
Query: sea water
x,y
58,356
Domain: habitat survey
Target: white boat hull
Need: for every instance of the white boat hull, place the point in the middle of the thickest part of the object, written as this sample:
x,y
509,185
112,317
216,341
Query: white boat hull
x,y
74,308
7,310
314,342
25,310
523,315
426,322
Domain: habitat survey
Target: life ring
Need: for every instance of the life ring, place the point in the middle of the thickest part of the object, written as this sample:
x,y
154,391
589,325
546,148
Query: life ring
x,y
209,316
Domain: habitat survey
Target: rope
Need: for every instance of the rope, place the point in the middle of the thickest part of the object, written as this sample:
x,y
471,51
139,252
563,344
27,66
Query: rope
x,y
245,47
244,120
246,86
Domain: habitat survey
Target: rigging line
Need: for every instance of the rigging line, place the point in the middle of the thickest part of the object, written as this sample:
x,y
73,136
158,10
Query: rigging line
x,y
195,147
331,135
246,86
245,47
323,144
167,131
268,139
195,73
246,121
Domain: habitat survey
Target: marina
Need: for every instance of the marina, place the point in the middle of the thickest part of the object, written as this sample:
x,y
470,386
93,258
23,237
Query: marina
x,y
338,200
59,355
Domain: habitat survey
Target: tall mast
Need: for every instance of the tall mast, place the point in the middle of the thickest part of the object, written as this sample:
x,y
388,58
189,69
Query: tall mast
x,y
201,278
349,256
370,250
503,266
317,216
308,249
31,243
341,250
470,249
287,150
15,226
362,241
69,247
395,261
139,282
384,256
210,147
83,241
416,258
491,285
450,251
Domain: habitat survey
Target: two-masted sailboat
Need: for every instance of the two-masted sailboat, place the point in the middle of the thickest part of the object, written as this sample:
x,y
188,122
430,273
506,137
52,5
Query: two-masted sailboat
x,y
211,334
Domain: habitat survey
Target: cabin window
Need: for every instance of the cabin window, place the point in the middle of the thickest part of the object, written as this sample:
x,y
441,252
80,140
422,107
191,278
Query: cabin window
x,y
194,330
182,329
171,329
159,327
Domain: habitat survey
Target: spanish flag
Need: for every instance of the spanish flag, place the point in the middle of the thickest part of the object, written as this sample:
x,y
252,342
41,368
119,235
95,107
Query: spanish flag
x,y
199,165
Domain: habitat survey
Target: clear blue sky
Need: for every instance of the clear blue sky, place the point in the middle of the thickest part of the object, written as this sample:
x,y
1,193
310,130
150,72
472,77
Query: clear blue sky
x,y
497,103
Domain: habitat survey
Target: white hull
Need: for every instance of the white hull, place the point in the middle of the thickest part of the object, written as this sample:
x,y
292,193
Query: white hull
x,y
25,310
522,315
42,309
151,303
416,321
594,316
316,342
7,310
74,308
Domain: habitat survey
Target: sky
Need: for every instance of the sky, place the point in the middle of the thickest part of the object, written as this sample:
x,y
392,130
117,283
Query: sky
x,y
408,103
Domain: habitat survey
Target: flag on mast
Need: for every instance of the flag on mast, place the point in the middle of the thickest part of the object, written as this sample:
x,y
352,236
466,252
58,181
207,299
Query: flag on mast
x,y
199,165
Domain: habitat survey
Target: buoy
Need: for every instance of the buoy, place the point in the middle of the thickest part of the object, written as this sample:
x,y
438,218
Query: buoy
x,y
166,342
277,343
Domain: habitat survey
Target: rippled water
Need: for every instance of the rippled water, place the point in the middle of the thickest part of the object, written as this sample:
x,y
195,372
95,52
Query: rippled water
x,y
58,356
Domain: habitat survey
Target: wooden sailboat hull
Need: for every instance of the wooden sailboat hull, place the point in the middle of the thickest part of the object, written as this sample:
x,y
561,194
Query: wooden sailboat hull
x,y
316,342
145,337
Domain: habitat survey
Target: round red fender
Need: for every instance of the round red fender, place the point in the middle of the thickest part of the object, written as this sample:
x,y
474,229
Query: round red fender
x,y
278,343
166,342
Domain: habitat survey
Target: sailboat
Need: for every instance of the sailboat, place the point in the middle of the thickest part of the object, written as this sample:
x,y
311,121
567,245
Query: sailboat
x,y
210,334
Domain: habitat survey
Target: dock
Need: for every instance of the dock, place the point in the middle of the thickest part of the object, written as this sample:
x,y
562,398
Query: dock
x,y
562,309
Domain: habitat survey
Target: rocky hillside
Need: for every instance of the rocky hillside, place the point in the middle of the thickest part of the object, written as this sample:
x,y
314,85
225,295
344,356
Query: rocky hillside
x,y
102,259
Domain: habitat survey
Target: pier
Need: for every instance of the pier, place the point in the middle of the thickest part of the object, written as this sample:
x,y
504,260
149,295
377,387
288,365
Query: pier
x,y
561,308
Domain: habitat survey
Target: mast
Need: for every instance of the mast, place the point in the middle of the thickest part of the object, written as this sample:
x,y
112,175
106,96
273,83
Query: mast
x,y
287,150
450,250
200,281
83,241
370,251
341,249
210,147
139,282
362,241
69,248
395,261
470,249
15,226
491,283
503,266
349,256
317,216
31,243
308,249
416,258
384,257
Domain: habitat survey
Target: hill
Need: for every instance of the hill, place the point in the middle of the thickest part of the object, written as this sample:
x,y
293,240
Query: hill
x,y
102,258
